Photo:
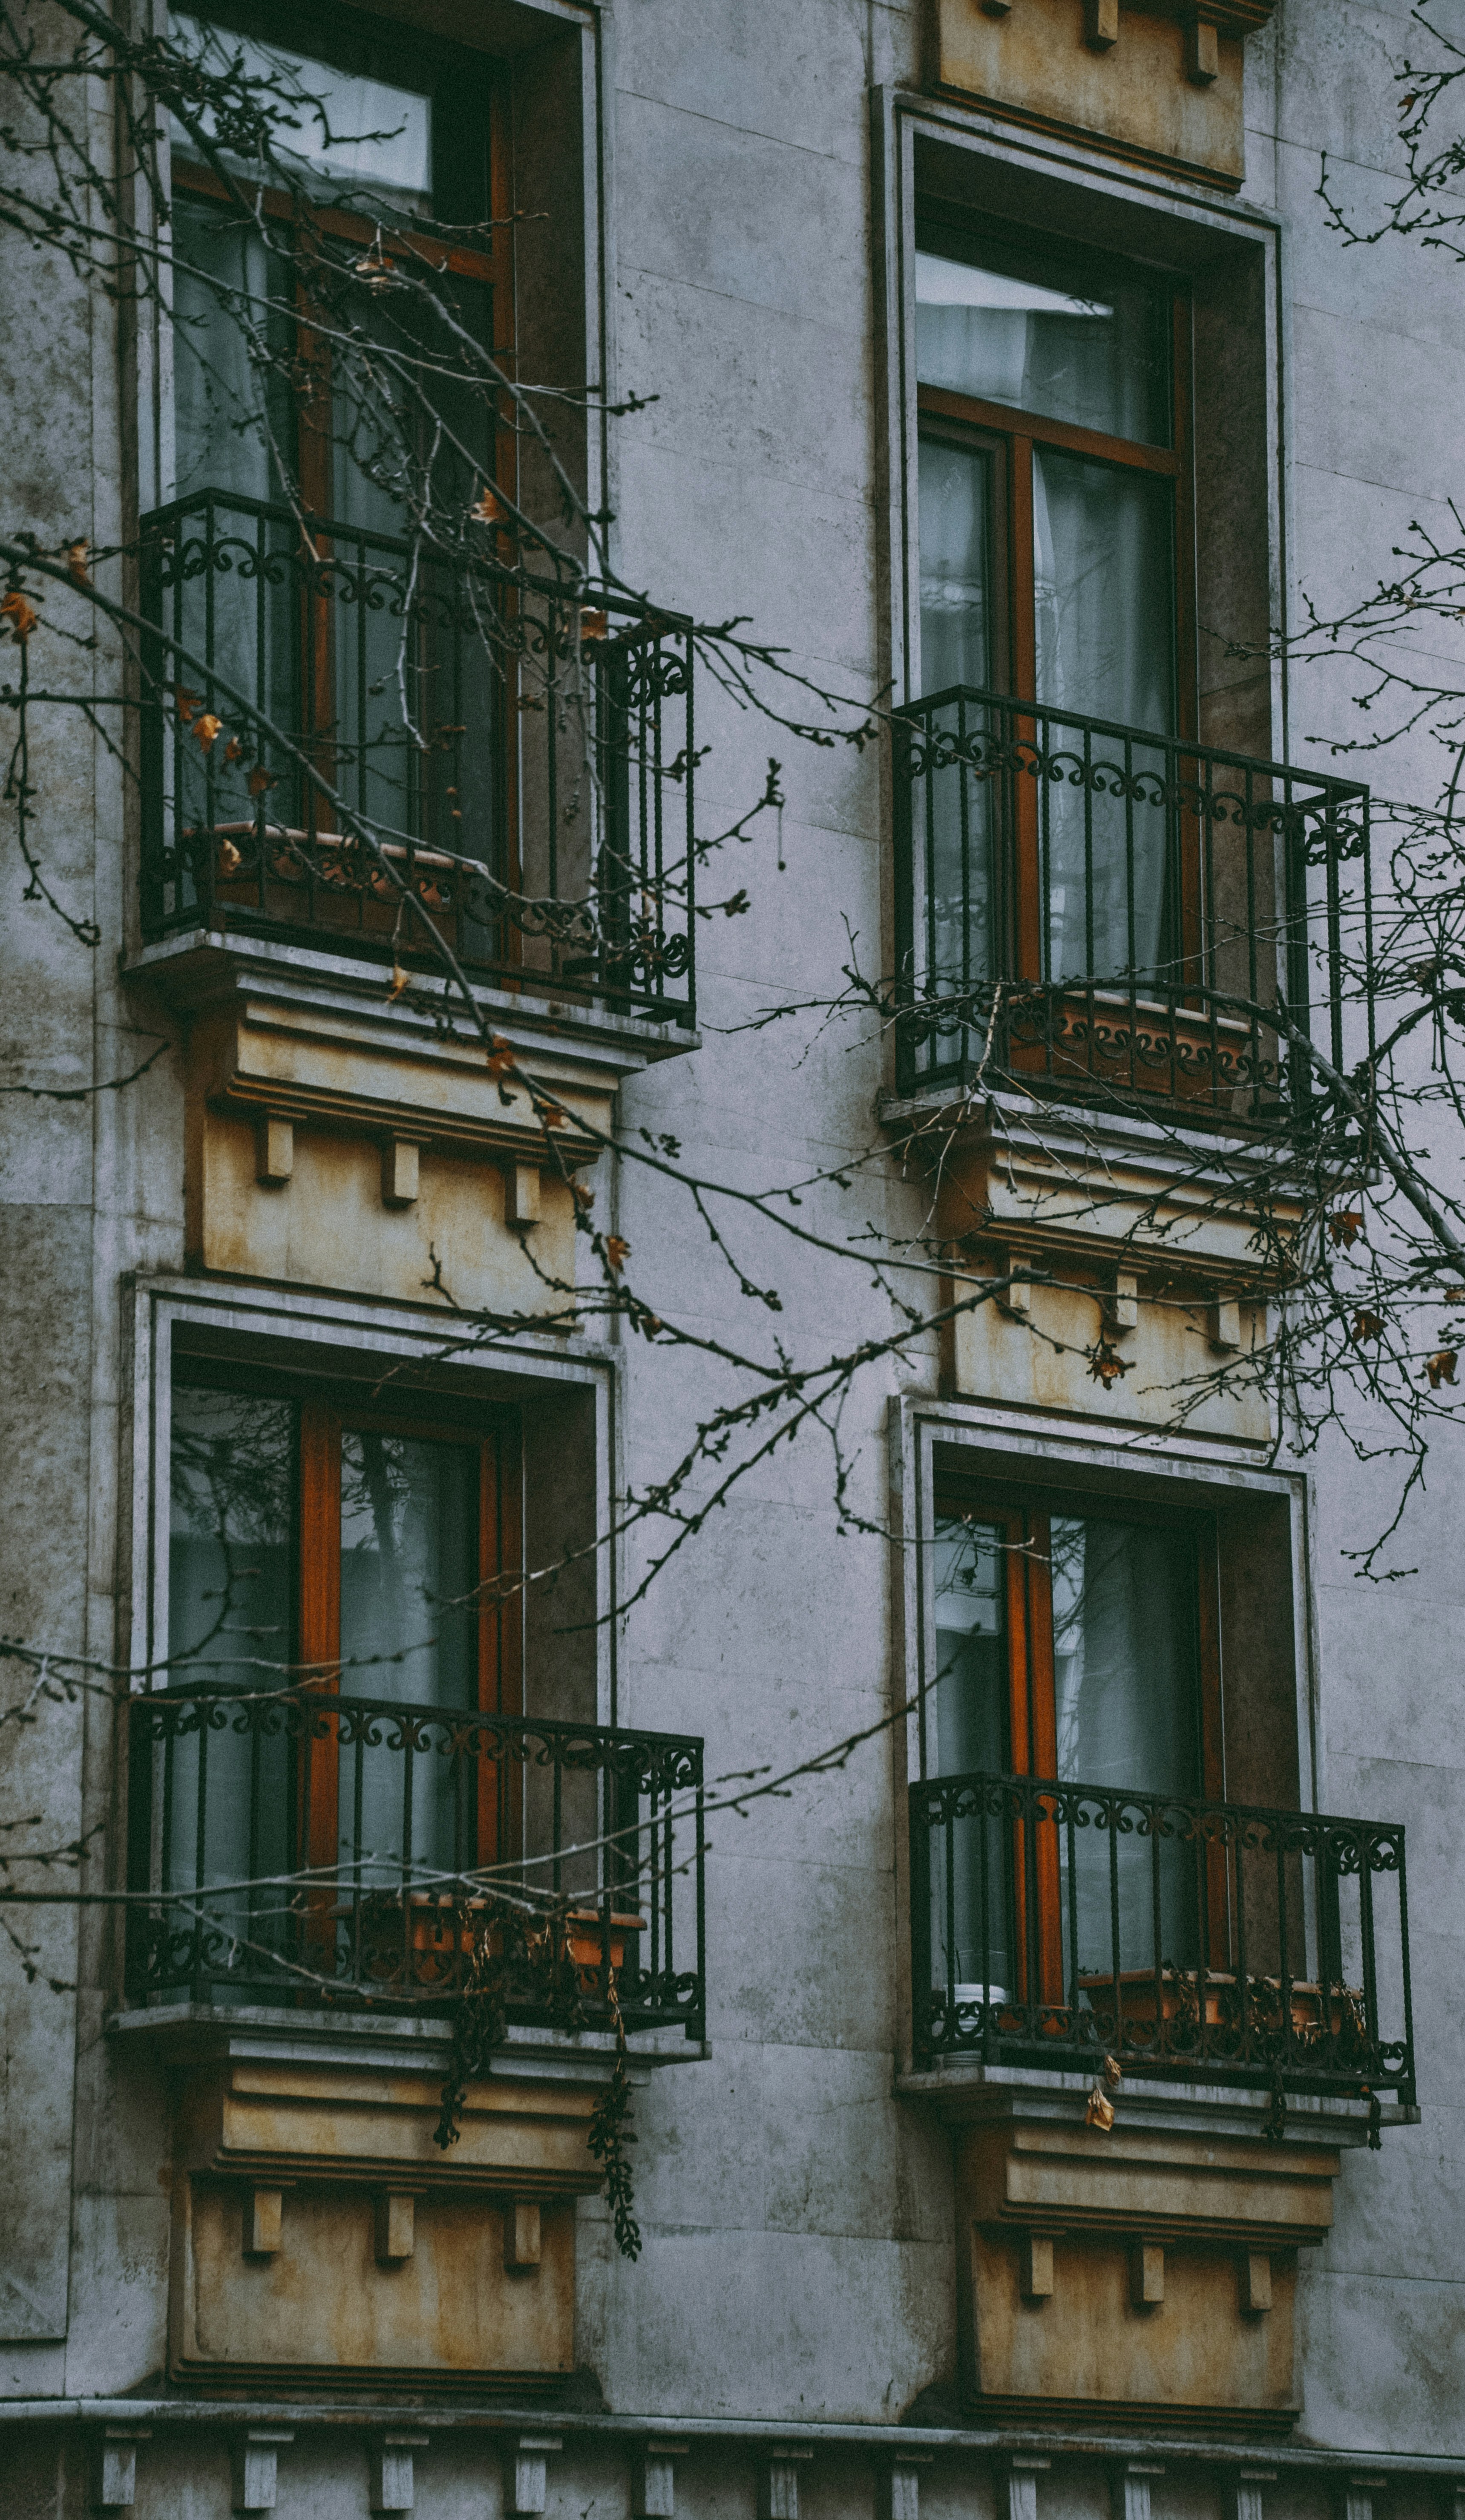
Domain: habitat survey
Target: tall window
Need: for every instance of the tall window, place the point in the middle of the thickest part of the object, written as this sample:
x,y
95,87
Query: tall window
x,y
1077,1644
334,429
355,1554
1055,502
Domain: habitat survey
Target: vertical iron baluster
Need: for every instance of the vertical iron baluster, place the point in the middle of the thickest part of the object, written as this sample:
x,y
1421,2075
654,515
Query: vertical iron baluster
x,y
1243,1977
1365,1920
918,1807
964,826
1406,2063
1284,1969
200,1858
1116,1964
691,898
358,1829
949,1885
1073,1917
257,1867
1031,1919
409,1758
1157,1928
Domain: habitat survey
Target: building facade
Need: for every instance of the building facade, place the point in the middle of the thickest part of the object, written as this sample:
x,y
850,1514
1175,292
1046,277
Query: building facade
x,y
996,2151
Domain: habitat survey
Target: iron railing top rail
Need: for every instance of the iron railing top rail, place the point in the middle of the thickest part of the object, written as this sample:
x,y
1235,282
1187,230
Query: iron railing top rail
x,y
179,1706
980,696
1304,1826
575,593
1276,1988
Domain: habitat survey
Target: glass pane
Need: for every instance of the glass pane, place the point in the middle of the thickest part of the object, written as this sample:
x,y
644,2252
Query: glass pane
x,y
955,809
342,133
971,1940
955,564
234,424
1103,564
1097,359
1126,1703
230,1539
408,1569
409,1630
417,687
225,1791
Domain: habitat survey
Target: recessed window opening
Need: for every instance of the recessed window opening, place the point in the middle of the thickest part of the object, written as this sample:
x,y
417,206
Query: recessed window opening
x,y
1055,542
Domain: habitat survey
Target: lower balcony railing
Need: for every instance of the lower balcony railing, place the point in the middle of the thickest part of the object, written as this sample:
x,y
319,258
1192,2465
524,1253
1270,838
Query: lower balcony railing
x,y
518,760
1056,1924
1118,911
306,1848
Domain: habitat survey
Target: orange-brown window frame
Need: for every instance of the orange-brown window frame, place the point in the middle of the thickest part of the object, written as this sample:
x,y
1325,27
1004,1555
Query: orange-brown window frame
x,y
492,269
500,1581
1008,436
1025,1530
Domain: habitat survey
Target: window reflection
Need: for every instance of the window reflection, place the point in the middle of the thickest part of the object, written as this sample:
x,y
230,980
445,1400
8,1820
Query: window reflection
x,y
1099,362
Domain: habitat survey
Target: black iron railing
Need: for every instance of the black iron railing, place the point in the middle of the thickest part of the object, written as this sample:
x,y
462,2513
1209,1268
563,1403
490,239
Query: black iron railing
x,y
1055,1924
307,1847
1121,911
522,758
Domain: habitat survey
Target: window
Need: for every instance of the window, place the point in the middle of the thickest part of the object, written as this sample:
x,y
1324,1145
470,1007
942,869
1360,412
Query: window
x,y
1055,541
369,1556
334,425
1077,1643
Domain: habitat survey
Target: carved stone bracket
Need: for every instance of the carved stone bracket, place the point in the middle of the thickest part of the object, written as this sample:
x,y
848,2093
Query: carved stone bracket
x,y
1157,80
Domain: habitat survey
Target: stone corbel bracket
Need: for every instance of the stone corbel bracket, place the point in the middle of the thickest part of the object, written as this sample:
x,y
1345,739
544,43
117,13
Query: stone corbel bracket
x,y
1108,1243
290,2168
1153,81
333,1141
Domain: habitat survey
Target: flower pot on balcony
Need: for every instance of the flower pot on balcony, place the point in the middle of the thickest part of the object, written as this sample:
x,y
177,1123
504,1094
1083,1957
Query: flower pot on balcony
x,y
1185,1999
441,1934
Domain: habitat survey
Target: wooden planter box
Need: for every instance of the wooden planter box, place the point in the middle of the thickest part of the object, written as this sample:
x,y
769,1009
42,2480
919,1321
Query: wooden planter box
x,y
1315,2017
442,1934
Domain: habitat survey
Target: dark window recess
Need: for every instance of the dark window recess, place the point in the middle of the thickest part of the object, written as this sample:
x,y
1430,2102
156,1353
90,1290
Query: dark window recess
x,y
448,749
1145,902
345,1742
1082,1886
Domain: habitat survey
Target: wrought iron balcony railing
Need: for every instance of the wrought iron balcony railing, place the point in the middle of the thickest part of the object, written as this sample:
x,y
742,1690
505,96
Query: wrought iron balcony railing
x,y
522,760
1122,912
1056,1924
306,1847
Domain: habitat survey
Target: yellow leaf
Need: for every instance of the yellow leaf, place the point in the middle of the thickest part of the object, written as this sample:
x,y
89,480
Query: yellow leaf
x,y
1441,1367
1345,1225
261,780
188,703
1367,1325
76,561
234,751
18,615
488,508
593,624
400,979
207,728
617,1252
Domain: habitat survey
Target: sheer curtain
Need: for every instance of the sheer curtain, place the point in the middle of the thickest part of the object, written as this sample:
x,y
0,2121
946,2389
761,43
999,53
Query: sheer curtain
x,y
1126,1697
1103,584
409,1625
1104,587
971,1931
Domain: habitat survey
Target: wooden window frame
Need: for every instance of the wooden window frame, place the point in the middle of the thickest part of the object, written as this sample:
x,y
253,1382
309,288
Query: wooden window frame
x,y
1010,434
499,1625
1024,1524
492,269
